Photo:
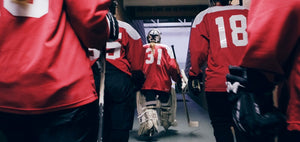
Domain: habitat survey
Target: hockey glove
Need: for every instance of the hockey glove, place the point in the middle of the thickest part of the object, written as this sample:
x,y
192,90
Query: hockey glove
x,y
251,93
138,79
113,27
195,84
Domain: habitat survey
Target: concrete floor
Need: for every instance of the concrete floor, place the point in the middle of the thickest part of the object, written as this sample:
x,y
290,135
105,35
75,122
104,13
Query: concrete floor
x,y
182,132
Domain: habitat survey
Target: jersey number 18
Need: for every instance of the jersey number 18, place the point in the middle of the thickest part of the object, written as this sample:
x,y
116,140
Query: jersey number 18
x,y
235,30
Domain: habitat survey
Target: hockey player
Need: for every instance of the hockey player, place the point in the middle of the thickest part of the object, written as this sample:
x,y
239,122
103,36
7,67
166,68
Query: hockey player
x,y
155,100
123,77
218,37
272,56
46,86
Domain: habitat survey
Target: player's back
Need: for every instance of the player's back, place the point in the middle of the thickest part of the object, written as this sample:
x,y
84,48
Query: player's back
x,y
43,65
158,67
226,30
219,34
123,52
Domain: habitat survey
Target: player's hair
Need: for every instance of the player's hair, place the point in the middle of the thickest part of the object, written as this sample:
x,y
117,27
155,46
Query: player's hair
x,y
223,2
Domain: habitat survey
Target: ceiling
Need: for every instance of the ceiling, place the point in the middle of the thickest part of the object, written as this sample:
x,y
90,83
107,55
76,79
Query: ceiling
x,y
165,10
164,2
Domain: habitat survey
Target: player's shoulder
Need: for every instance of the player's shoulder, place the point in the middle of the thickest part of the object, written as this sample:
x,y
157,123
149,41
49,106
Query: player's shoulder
x,y
146,45
129,29
158,45
163,46
214,9
167,49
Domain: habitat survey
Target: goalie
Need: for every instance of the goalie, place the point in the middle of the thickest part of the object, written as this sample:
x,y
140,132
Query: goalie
x,y
156,105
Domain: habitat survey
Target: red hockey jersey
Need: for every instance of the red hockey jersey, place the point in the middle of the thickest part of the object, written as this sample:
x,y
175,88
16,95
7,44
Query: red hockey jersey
x,y
218,37
159,67
43,65
127,52
274,46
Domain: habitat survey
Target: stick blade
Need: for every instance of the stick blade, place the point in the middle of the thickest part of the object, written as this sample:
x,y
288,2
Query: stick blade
x,y
194,124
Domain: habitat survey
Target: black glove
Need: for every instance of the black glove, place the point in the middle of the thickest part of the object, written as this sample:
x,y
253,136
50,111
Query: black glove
x,y
138,79
253,111
113,27
195,84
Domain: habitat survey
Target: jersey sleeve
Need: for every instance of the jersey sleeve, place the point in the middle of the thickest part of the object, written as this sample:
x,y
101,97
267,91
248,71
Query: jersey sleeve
x,y
198,44
136,53
173,68
89,21
270,45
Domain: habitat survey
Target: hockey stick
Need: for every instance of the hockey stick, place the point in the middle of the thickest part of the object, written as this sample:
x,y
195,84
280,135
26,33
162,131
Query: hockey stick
x,y
190,123
101,94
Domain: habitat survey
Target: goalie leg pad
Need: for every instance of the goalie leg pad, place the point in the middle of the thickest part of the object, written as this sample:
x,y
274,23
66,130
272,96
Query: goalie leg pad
x,y
168,111
148,122
147,115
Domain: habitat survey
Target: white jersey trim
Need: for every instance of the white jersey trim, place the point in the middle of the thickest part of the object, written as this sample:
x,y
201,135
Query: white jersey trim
x,y
37,9
169,49
213,9
130,30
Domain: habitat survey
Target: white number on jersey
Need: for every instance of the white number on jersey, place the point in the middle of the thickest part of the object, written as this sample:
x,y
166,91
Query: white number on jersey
x,y
150,56
114,50
27,8
235,30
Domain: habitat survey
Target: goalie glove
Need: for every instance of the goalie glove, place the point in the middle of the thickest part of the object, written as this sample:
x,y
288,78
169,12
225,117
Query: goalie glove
x,y
184,82
251,93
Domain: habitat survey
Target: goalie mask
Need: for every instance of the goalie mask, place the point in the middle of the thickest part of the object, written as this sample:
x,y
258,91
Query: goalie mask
x,y
154,36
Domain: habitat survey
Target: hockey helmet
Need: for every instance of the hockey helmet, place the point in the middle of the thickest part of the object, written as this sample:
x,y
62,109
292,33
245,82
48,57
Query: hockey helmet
x,y
154,36
223,2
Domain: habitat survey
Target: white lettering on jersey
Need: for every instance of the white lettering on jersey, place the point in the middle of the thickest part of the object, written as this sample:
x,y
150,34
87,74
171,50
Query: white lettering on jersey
x,y
201,15
113,50
150,56
33,8
94,54
235,30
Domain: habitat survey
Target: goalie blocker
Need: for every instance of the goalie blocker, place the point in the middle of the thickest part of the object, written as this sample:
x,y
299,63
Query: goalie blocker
x,y
251,93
